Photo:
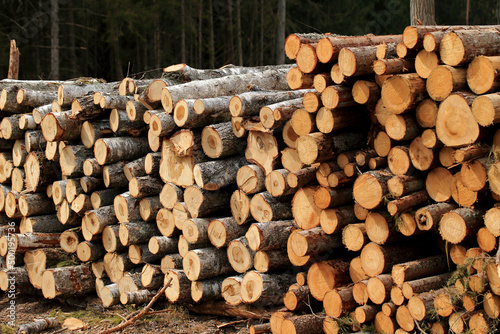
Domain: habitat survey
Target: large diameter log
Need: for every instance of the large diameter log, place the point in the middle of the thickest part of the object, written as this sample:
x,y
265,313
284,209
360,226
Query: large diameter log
x,y
403,92
455,123
457,225
110,150
318,147
445,79
230,85
205,263
462,46
326,275
68,281
213,175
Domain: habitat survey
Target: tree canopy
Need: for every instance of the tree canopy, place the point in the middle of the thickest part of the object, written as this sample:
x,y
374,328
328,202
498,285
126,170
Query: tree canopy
x,y
113,38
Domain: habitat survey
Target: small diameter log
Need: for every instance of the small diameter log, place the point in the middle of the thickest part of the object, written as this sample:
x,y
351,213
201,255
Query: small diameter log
x,y
403,92
162,245
99,218
325,275
378,259
38,325
250,103
457,225
223,230
149,207
135,168
201,202
486,109
262,149
303,122
68,281
35,204
213,175
379,288
59,126
21,243
264,289
240,256
425,63
354,236
421,268
491,221
42,224
171,194
250,179
110,150
444,80
151,276
337,96
305,212
205,263
314,241
90,251
302,177
92,168
430,283
461,194
140,254
180,214
318,147
402,127
370,188
393,66
69,240
113,175
39,172
145,186
290,160
328,120
206,290
152,163
356,61
264,207
405,184
407,202
297,79
324,170
297,298
271,261
482,74
170,261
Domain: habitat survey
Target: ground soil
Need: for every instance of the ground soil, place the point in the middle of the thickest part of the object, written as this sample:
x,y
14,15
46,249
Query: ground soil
x,y
171,319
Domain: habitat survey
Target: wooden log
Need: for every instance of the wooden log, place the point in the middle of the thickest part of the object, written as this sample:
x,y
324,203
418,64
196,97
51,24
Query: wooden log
x,y
149,207
83,107
89,251
382,143
201,202
482,74
438,184
354,236
34,140
462,46
336,219
465,222
426,113
205,263
337,96
407,202
59,126
104,197
491,221
276,115
145,186
485,109
222,231
264,289
379,288
429,283
270,79
126,207
314,241
326,275
136,232
42,224
338,302
110,150
35,204
403,92
213,175
399,161
264,207
39,172
302,177
328,120
69,240
328,48
73,280
325,198
179,290
402,127
392,66
371,187
269,235
402,185
404,318
262,149
171,261
250,179
240,256
230,290
134,168
425,63
305,212
92,168
421,268
444,80
290,160
356,61
318,147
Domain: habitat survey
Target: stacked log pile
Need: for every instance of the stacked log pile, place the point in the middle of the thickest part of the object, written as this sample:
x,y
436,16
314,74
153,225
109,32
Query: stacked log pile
x,y
357,193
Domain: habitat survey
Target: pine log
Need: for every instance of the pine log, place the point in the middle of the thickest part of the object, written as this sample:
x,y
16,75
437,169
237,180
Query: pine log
x,y
42,224
336,219
92,168
405,184
403,92
290,160
357,61
444,80
379,288
314,241
382,143
380,228
426,113
392,66
34,140
337,96
305,212
486,108
425,63
338,302
326,275
462,46
302,177
421,268
457,225
399,161
438,184
412,288
371,187
407,202
482,74
402,127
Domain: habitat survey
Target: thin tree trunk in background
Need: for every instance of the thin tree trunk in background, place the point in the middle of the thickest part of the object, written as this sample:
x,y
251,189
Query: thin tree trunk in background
x,y
422,12
200,35
262,8
238,32
54,39
229,32
211,47
280,36
72,43
183,33
467,13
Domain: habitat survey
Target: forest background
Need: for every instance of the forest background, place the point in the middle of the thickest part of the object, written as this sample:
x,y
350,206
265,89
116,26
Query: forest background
x,y
111,39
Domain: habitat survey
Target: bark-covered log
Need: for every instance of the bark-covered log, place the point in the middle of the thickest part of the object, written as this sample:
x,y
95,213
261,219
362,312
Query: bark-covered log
x,y
216,174
110,150
68,281
205,263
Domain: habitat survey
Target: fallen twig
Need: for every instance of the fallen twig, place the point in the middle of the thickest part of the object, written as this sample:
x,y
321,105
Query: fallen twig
x,y
139,315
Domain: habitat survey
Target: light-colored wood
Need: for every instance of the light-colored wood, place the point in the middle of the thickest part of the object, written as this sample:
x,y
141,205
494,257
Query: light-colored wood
x,y
403,92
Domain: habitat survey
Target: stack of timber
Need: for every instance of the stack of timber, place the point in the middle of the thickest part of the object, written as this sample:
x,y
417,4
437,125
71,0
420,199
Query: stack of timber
x,y
357,187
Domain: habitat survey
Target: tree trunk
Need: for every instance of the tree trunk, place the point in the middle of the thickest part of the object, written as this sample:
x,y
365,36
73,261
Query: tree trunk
x,y
265,289
222,231
68,281
205,263
216,174
270,235
203,202
264,207
240,256
457,225
326,275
